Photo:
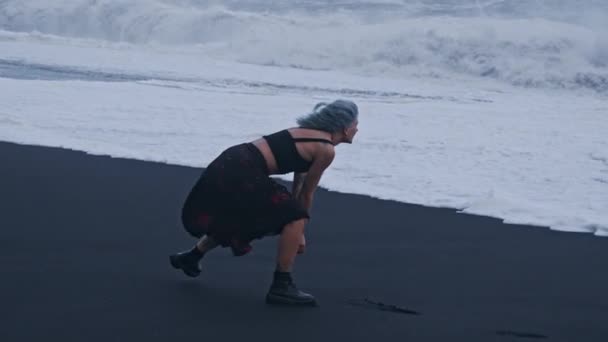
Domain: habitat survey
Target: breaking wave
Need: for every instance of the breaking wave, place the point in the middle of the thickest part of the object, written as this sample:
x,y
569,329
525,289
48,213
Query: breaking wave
x,y
493,39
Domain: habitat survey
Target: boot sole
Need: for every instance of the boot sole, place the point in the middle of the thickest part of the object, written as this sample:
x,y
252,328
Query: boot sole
x,y
173,259
279,300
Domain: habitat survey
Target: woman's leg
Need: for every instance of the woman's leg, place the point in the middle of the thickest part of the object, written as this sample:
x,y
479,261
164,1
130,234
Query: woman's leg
x,y
289,243
283,290
205,244
188,261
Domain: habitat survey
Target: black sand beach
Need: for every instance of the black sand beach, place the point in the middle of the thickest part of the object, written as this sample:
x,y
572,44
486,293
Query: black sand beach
x,y
84,245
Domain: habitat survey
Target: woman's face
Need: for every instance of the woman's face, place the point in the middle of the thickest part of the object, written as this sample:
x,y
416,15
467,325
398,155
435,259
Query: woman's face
x,y
350,131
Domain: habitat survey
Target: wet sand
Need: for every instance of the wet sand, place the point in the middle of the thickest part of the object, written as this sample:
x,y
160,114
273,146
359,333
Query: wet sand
x,y
84,245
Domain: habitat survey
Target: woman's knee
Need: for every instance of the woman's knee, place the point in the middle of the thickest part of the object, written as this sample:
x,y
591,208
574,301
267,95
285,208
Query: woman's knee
x,y
295,226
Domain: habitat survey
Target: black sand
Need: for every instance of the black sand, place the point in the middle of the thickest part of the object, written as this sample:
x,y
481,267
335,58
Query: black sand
x,y
84,242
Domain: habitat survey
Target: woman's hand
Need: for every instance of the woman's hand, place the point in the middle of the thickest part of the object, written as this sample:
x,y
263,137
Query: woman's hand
x,y
302,246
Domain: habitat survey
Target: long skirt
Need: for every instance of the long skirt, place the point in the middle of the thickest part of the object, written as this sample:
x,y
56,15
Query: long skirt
x,y
235,201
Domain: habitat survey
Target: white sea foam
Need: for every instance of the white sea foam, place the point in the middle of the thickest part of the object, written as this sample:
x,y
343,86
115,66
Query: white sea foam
x,y
427,38
445,120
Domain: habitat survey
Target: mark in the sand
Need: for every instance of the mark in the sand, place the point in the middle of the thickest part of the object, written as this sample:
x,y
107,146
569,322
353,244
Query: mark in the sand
x,y
520,334
368,303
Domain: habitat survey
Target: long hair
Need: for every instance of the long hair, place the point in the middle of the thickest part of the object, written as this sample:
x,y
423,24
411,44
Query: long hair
x,y
332,117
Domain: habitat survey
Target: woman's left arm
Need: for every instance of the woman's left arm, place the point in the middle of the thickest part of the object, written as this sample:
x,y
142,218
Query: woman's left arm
x,y
313,176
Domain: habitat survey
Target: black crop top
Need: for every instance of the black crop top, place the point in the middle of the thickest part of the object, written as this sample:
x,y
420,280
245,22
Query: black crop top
x,y
283,147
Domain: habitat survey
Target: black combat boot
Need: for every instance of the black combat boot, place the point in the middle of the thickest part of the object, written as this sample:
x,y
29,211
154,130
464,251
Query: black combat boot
x,y
284,291
188,261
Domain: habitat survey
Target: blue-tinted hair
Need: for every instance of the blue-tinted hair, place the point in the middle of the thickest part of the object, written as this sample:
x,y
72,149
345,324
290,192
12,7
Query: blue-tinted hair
x,y
332,117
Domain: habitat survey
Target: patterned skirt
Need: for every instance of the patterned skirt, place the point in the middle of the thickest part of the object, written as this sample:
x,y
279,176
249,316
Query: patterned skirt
x,y
235,201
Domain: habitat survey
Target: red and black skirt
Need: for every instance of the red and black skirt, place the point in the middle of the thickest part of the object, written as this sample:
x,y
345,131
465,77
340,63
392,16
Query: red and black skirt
x,y
235,201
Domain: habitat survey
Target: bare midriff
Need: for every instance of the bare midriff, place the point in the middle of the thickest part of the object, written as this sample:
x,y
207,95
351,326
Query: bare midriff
x,y
306,150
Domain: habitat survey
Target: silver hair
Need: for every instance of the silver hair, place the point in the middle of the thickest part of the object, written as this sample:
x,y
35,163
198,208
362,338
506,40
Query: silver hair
x,y
332,117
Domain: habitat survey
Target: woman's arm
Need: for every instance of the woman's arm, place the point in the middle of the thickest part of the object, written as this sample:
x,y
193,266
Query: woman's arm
x,y
298,181
313,176
305,184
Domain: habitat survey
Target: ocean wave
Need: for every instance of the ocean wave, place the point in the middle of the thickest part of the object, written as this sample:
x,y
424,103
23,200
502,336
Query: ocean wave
x,y
428,42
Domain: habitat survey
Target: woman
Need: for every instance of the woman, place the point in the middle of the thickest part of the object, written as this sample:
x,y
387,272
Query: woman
x,y
235,201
